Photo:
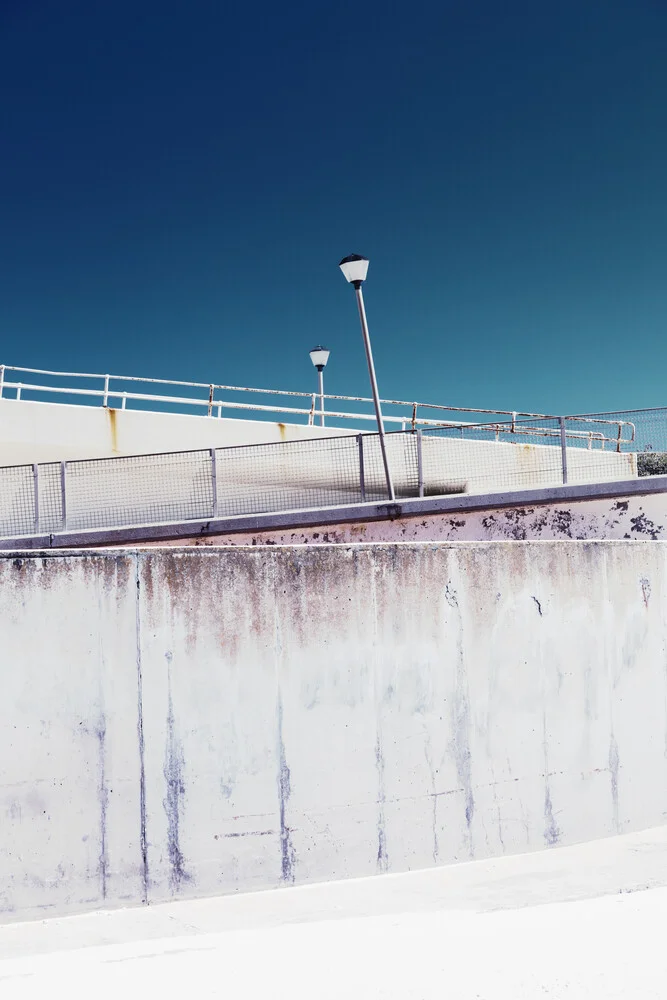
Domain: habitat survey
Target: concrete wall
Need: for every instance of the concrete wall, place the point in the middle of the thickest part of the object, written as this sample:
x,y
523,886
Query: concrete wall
x,y
54,432
189,722
45,432
632,517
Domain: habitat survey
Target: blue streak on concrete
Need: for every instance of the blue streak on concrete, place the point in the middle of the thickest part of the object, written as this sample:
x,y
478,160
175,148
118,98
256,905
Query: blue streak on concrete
x,y
287,853
174,765
614,764
382,856
551,832
103,798
143,842
461,721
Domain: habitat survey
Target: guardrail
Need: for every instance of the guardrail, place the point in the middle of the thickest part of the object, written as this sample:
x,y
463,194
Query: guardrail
x,y
118,391
212,483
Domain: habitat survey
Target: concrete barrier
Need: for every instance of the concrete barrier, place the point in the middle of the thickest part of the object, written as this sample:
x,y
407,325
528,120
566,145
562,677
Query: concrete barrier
x,y
199,721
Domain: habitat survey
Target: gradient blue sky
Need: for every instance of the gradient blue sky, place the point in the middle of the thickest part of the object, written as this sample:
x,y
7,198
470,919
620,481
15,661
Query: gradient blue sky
x,y
179,180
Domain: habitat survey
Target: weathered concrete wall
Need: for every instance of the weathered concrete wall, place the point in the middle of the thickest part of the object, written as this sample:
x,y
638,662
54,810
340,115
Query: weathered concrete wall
x,y
187,722
54,432
633,517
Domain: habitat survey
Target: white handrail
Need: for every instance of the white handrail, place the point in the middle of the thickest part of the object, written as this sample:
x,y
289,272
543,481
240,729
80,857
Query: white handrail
x,y
107,393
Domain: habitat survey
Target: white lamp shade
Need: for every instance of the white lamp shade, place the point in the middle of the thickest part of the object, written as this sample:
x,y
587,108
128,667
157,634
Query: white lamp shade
x,y
354,267
319,356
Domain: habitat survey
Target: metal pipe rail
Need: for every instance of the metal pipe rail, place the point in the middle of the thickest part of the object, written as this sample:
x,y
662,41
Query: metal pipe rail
x,y
107,392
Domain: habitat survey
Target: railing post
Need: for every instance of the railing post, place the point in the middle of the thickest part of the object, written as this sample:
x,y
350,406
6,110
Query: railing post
x,y
420,467
63,492
362,482
311,415
18,390
2,379
563,448
214,481
414,416
105,399
210,400
35,483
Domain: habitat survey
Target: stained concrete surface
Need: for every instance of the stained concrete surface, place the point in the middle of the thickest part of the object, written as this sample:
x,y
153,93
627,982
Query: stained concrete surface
x,y
185,723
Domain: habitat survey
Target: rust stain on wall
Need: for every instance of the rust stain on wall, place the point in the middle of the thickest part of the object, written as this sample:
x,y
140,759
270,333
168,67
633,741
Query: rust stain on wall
x,y
113,427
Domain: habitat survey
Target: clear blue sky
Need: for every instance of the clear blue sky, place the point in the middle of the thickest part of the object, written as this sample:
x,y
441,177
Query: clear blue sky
x,y
179,180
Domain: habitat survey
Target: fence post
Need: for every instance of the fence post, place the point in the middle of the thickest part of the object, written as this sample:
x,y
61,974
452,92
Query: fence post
x,y
105,400
35,481
362,482
63,492
2,379
420,467
214,480
563,448
210,400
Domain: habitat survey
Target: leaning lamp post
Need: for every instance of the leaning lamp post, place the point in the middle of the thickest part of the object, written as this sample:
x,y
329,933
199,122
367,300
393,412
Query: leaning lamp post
x,y
355,269
319,356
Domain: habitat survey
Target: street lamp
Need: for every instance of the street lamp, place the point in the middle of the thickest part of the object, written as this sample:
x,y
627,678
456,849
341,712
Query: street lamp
x,y
319,356
355,269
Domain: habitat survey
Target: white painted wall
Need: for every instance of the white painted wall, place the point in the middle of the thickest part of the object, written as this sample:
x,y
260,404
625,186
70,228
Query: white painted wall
x,y
189,722
54,432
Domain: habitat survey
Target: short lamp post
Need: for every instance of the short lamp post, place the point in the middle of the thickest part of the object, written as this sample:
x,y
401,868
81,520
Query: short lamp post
x,y
319,356
355,269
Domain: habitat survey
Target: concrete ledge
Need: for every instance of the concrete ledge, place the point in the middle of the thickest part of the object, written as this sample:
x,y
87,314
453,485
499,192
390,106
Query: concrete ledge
x,y
367,512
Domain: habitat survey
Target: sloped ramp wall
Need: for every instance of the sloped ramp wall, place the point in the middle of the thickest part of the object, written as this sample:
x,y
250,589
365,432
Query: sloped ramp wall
x,y
190,722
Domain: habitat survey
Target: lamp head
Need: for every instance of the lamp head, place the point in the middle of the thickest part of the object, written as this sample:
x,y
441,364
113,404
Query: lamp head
x,y
319,356
355,268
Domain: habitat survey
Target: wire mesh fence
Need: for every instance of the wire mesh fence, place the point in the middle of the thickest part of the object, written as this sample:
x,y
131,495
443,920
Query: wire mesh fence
x,y
522,454
323,472
252,479
644,432
17,500
138,489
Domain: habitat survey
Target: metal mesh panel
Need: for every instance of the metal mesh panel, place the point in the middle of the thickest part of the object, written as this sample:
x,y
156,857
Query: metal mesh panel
x,y
403,467
521,454
50,498
643,432
487,458
17,500
254,479
144,489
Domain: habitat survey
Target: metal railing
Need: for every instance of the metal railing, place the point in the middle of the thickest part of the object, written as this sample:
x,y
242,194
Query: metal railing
x,y
79,495
216,400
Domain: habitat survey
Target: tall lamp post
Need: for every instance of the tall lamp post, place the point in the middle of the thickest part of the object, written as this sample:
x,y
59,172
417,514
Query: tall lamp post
x,y
355,269
319,356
